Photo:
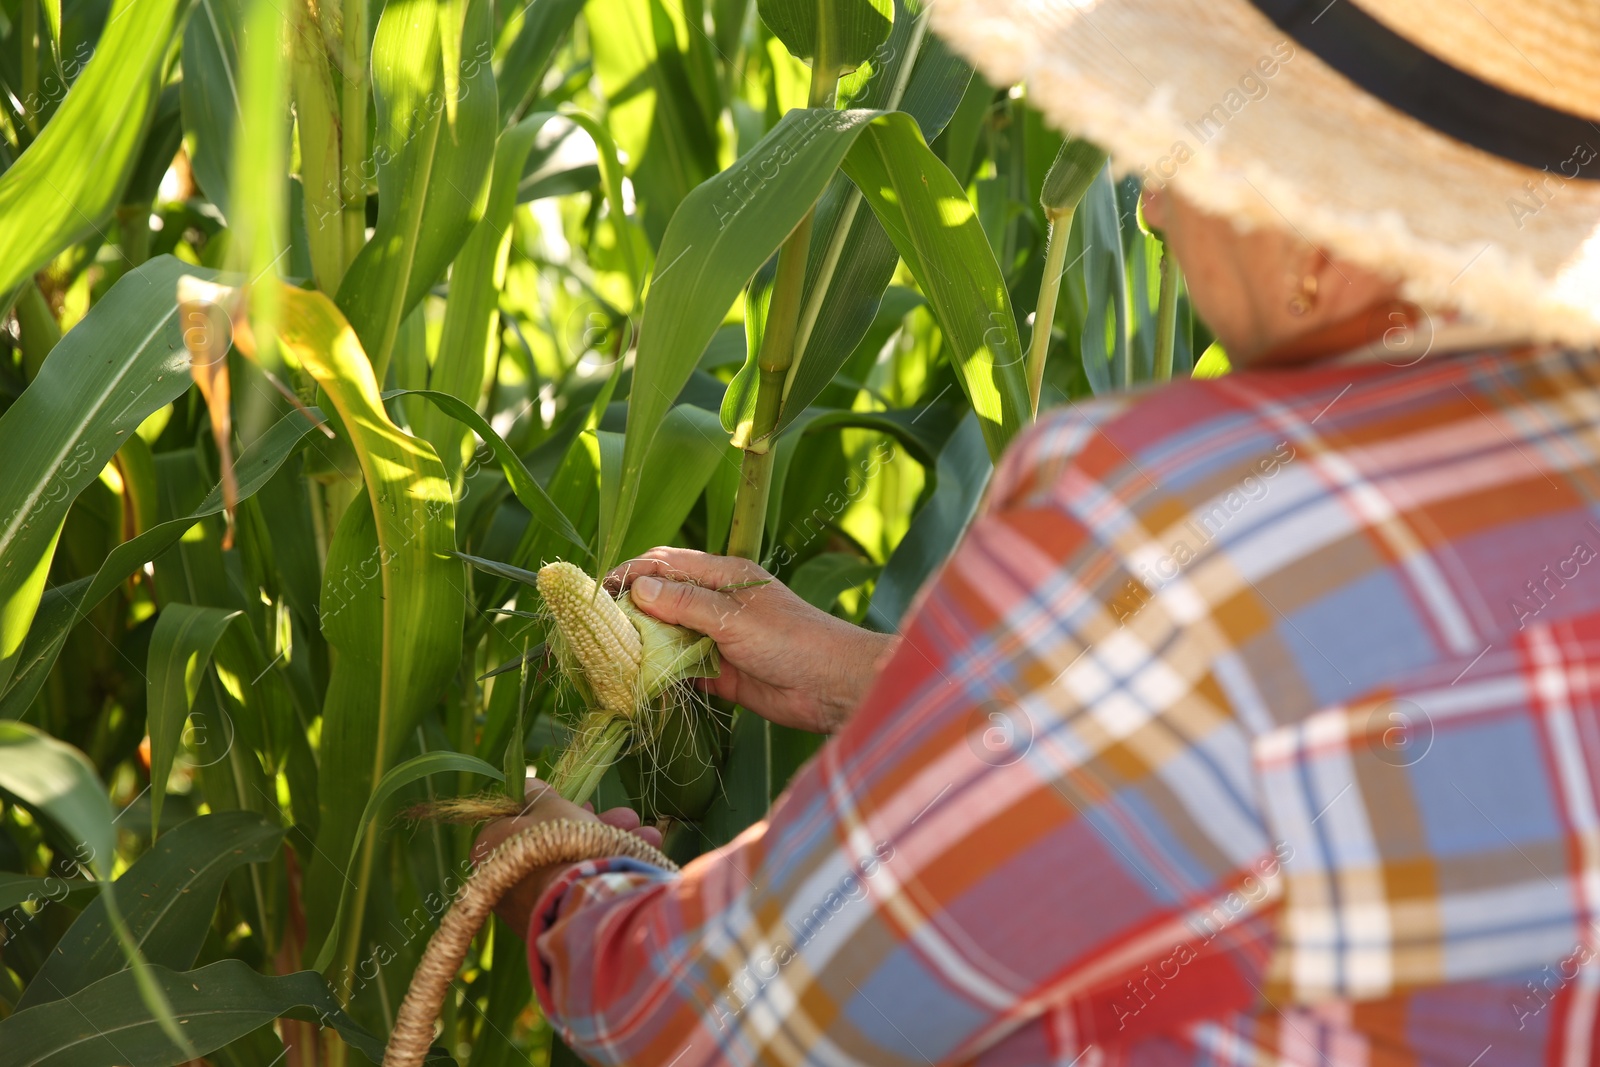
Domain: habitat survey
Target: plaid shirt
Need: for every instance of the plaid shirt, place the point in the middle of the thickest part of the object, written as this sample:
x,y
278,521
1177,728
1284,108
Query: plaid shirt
x,y
1255,721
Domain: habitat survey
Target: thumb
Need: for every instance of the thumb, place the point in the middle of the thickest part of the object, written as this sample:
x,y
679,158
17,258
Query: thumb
x,y
685,604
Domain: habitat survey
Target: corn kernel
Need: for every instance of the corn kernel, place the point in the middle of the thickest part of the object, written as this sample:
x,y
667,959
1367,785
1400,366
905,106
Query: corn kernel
x,y
604,642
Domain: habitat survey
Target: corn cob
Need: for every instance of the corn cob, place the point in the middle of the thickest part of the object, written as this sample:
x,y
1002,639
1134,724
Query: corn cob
x,y
624,665
600,637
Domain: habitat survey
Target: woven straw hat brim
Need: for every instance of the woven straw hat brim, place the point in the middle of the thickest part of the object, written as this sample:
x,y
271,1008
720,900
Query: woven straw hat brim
x,y
1178,91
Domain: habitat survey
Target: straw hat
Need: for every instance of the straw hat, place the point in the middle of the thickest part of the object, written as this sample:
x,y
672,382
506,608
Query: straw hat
x,y
1453,143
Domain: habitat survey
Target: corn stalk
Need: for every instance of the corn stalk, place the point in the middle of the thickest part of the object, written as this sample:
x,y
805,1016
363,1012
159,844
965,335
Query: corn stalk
x,y
775,359
1068,180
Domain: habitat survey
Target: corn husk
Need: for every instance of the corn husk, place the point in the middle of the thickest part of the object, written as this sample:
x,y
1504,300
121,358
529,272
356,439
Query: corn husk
x,y
669,654
630,682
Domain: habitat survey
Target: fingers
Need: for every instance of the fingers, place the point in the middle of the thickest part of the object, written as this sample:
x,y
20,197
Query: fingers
x,y
684,604
489,839
621,818
628,819
687,565
724,685
542,804
534,792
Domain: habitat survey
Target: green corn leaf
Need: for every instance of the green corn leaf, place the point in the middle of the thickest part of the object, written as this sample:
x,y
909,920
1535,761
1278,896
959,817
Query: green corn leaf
x,y
514,763
846,377
820,580
535,654
395,779
720,234
469,338
655,114
838,33
155,155
319,131
108,1025
933,225
739,402
18,889
914,72
528,492
721,489
502,570
62,606
259,194
122,362
611,177
558,167
451,14
852,259
509,992
538,33
728,18
746,781
728,226
180,652
392,603
787,445
52,19
71,177
210,92
919,435
433,164
689,449
1097,293
56,780
166,899
963,472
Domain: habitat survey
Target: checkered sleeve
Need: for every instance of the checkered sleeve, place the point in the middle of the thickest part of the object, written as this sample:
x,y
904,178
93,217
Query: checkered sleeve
x,y
1003,832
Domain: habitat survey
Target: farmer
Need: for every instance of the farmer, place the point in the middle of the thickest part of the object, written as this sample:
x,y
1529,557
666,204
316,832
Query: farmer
x,y
1255,720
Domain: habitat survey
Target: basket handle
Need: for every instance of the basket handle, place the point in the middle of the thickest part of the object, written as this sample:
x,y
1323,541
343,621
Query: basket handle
x,y
557,841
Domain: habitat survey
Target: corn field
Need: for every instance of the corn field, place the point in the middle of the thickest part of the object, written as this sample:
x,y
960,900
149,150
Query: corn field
x,y
328,325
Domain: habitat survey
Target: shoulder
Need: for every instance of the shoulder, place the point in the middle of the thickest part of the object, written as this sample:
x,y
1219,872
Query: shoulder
x,y
1311,535
1168,438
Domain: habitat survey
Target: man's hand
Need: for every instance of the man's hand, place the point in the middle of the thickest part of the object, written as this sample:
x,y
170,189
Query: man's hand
x,y
545,805
781,658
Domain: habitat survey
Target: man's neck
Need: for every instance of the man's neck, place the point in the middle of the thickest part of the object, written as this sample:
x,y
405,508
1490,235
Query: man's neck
x,y
1392,319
